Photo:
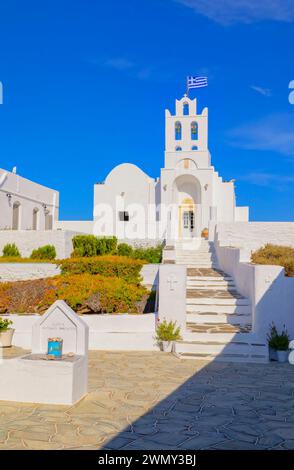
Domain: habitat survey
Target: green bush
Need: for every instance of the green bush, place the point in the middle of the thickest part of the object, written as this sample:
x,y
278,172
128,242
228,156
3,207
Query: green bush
x,y
11,250
44,252
89,245
123,249
108,266
275,255
4,324
276,341
151,255
167,331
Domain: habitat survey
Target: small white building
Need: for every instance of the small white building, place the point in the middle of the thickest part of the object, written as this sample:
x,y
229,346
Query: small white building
x,y
25,205
188,197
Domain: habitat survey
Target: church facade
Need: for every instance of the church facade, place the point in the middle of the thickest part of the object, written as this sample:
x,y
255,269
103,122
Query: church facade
x,y
188,197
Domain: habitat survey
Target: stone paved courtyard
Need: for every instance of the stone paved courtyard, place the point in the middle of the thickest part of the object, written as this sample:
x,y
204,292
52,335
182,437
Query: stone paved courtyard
x,y
155,401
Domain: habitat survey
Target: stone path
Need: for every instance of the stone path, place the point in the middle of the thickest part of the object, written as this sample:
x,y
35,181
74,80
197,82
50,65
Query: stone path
x,y
153,401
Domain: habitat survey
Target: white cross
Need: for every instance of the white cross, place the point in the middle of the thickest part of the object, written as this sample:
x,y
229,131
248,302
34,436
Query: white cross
x,y
172,281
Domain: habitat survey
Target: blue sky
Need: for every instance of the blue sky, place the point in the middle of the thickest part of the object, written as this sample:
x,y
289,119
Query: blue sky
x,y
86,83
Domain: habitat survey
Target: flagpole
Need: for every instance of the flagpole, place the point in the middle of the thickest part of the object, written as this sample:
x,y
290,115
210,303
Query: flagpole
x,y
187,88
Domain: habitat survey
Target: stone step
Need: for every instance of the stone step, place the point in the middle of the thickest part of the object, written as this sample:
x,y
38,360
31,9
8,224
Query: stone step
x,y
202,283
209,287
213,317
213,308
224,357
215,338
215,329
219,348
210,278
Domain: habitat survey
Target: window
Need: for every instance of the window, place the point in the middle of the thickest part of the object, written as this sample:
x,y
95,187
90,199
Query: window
x,y
178,131
194,131
16,216
194,147
123,216
186,109
35,219
178,149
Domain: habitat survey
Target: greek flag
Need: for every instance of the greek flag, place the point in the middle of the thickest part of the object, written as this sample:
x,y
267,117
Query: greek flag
x,y
196,82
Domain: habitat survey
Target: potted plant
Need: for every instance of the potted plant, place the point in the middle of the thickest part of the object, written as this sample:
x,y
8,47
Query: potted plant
x,y
166,335
6,333
278,344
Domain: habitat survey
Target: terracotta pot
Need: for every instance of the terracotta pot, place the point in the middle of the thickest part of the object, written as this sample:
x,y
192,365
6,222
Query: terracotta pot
x,y
6,338
205,233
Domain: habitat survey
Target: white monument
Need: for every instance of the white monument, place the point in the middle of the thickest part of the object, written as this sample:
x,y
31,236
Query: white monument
x,y
36,379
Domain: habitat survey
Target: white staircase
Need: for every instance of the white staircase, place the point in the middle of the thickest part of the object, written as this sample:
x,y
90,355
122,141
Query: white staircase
x,y
218,317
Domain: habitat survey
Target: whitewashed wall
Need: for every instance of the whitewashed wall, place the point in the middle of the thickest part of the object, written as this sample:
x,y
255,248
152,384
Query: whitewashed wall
x,y
106,332
30,195
81,226
271,293
253,235
28,240
27,271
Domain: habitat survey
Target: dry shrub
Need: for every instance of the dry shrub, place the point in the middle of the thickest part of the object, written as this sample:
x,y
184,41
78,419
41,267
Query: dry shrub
x,y
111,295
275,255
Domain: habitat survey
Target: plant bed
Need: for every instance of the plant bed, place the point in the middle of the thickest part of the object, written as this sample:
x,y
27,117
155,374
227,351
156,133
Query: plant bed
x,y
275,255
84,293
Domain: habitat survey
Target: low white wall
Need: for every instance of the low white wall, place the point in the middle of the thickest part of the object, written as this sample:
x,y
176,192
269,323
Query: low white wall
x,y
106,332
27,271
28,240
82,226
271,293
253,235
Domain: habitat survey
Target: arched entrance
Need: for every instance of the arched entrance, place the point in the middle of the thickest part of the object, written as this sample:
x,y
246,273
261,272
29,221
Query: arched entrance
x,y
187,197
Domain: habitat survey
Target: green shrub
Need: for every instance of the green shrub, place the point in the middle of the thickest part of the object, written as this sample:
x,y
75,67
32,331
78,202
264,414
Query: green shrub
x,y
4,324
276,341
275,255
89,245
11,250
123,249
151,255
44,252
84,245
167,331
109,266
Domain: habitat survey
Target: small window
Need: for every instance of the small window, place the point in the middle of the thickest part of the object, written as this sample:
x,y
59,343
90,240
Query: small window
x,y
194,147
178,131
123,216
194,131
178,149
186,109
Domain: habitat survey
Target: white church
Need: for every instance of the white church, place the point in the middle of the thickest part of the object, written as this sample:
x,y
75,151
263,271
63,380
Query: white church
x,y
186,199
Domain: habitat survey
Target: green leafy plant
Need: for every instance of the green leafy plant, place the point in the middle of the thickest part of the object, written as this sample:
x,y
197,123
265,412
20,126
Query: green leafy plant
x,y
89,245
276,341
123,249
11,250
44,252
167,331
4,324
108,266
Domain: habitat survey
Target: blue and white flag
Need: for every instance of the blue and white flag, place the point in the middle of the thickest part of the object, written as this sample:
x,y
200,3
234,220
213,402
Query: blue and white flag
x,y
196,82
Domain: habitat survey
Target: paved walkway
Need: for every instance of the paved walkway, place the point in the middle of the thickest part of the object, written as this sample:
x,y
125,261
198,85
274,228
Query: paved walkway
x,y
155,401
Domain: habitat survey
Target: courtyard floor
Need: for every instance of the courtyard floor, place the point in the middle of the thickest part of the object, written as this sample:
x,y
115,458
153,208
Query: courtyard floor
x,y
141,400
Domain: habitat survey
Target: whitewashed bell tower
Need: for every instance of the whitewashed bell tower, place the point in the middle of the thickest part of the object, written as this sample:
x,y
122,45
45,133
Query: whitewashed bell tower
x,y
186,136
